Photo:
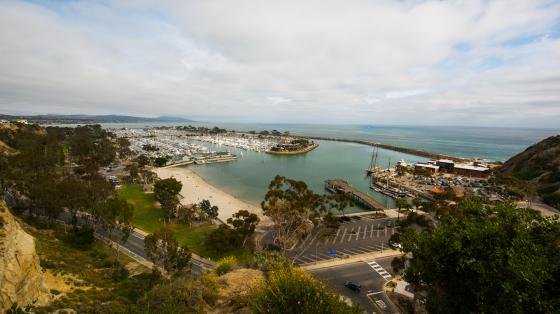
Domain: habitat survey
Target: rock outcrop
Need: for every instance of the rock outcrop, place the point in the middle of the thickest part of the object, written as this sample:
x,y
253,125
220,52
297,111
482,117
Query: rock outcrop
x,y
21,278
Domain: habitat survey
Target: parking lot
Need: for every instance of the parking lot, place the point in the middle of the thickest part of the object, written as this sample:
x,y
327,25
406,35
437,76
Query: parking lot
x,y
353,237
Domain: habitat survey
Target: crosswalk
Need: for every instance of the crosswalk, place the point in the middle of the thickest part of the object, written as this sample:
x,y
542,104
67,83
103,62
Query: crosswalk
x,y
378,269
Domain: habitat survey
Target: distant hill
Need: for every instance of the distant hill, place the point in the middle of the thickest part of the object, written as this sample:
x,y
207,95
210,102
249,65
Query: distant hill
x,y
82,118
539,165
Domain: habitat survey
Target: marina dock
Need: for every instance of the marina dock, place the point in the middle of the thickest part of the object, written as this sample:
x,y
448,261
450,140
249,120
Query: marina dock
x,y
341,186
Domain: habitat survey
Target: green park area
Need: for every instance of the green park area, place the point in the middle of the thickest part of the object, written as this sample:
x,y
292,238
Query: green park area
x,y
148,216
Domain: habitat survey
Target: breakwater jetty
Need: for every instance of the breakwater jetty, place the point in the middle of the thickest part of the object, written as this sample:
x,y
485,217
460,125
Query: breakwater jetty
x,y
405,150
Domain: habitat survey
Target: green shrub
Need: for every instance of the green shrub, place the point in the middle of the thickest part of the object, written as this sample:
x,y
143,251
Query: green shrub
x,y
119,273
81,238
225,264
292,290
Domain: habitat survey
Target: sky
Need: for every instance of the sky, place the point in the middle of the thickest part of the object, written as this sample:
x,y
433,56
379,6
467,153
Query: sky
x,y
469,62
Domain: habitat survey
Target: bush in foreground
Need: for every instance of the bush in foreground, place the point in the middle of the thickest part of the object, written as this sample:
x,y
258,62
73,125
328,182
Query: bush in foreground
x,y
225,265
292,290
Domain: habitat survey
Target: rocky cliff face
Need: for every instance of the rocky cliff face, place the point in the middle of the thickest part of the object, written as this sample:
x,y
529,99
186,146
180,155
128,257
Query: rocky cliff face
x,y
21,278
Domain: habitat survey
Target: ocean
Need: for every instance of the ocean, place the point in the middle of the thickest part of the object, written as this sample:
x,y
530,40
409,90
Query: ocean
x,y
493,144
248,177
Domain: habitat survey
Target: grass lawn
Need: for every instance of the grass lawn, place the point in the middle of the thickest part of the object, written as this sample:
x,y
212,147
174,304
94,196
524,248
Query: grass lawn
x,y
148,216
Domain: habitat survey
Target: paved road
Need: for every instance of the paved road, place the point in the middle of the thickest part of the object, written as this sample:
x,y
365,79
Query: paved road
x,y
372,275
352,238
135,247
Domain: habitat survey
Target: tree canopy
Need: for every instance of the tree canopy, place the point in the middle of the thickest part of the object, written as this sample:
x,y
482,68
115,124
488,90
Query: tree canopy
x,y
495,259
166,191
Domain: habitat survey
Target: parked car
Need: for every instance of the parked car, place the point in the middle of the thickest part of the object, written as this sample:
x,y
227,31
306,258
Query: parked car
x,y
353,286
395,245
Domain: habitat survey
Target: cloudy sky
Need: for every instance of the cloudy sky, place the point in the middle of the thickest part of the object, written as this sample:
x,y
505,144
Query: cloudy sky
x,y
470,62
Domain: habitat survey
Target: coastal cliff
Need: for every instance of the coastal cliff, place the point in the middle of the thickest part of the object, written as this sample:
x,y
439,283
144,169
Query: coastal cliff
x,y
21,278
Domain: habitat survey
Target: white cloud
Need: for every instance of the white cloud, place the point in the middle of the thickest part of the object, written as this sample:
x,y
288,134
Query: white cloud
x,y
310,61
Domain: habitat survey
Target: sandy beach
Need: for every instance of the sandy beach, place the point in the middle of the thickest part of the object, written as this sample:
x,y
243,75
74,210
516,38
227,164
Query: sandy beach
x,y
195,189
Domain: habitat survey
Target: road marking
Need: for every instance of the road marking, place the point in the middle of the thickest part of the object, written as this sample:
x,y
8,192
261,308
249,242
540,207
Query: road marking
x,y
365,232
360,249
343,234
385,230
358,233
378,231
313,239
378,269
371,235
303,258
373,293
334,239
350,234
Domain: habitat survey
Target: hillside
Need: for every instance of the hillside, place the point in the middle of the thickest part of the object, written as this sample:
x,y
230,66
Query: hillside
x,y
539,165
82,118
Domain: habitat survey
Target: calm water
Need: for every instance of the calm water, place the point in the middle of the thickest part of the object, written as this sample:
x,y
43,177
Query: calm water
x,y
248,177
496,144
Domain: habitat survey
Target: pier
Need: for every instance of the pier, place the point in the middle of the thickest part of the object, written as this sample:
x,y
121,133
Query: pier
x,y
341,186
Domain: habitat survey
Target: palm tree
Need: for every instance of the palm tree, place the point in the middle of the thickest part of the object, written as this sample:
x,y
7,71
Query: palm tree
x,y
401,203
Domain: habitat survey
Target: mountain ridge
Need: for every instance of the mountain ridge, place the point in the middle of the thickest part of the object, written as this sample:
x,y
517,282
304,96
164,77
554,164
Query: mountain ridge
x,y
94,118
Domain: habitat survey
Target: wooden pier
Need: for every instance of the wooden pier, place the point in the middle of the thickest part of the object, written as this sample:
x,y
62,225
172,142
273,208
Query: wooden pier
x,y
341,186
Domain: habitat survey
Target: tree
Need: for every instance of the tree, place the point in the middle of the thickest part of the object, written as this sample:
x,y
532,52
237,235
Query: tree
x,y
124,148
143,160
223,239
164,250
207,211
340,201
290,205
244,224
133,171
115,216
416,202
398,264
484,259
331,224
166,191
401,203
73,196
161,161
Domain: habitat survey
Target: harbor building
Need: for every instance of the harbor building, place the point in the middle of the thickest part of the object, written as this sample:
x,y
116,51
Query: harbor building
x,y
430,168
472,170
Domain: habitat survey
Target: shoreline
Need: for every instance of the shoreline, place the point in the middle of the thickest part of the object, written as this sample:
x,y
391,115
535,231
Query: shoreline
x,y
196,189
294,152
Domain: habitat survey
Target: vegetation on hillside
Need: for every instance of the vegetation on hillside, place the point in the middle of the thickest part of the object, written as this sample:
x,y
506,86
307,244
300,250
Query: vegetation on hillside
x,y
536,171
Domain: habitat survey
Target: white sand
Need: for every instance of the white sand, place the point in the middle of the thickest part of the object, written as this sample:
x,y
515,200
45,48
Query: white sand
x,y
195,189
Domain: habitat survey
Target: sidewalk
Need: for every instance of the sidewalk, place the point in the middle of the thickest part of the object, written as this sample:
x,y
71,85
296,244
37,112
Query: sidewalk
x,y
337,261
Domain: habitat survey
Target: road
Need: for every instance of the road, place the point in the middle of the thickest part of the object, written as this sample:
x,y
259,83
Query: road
x,y
372,275
134,246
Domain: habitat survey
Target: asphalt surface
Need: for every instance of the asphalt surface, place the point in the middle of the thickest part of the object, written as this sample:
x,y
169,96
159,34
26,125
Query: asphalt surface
x,y
372,297
352,238
135,246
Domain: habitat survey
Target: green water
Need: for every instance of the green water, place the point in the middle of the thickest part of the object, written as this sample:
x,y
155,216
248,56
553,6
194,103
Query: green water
x,y
248,177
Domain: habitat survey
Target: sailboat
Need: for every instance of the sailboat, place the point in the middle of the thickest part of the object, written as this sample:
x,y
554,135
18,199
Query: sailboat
x,y
373,163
